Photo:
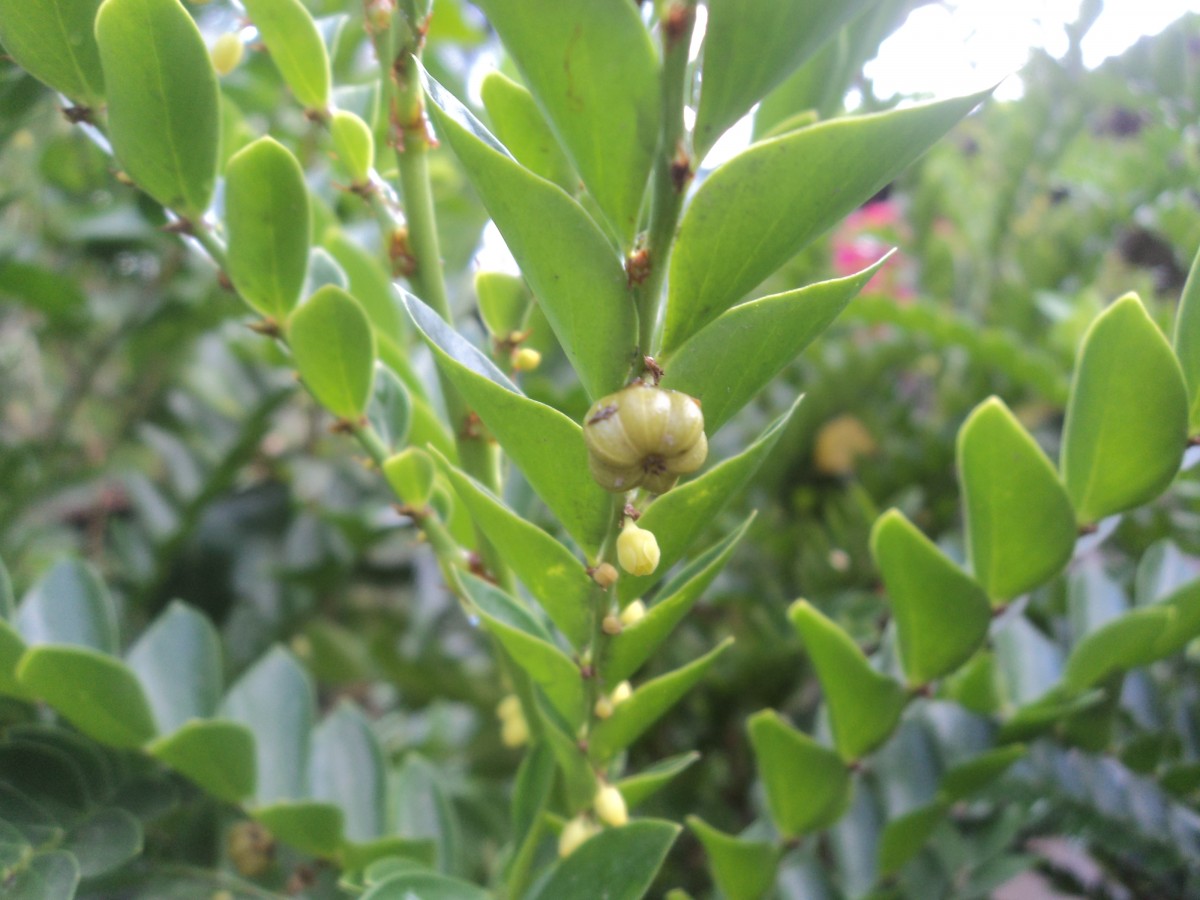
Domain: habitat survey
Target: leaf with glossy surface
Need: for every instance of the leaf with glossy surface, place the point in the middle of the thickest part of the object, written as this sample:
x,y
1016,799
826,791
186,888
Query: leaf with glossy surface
x,y
1186,340
275,700
624,860
1020,524
297,49
649,703
594,72
346,769
546,445
864,705
1118,646
522,128
268,220
742,869
69,605
215,754
807,785
903,837
53,40
568,262
98,694
549,570
728,362
163,101
942,615
178,661
334,348
761,207
1126,426
314,828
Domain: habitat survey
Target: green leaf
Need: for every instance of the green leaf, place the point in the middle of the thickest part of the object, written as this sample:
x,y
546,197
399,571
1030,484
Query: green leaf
x,y
69,605
750,46
296,46
545,445
727,363
504,302
12,648
178,660
679,516
103,841
1053,708
942,615
808,786
625,653
624,860
163,101
54,874
274,699
742,869
53,775
641,786
757,210
903,837
1181,629
268,222
410,474
649,703
522,128
864,705
354,146
1126,426
372,287
334,348
570,265
374,856
215,754
98,694
389,412
424,886
1186,339
530,647
969,777
1020,524
314,828
594,72
421,807
8,602
1119,645
549,570
347,770
53,40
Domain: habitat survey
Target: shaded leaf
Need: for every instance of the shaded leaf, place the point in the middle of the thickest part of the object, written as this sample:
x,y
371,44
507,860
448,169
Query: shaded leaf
x,y
966,778
53,41
69,605
310,827
296,46
215,754
522,128
808,786
903,837
334,348
178,661
641,786
624,860
104,840
742,869
425,886
346,769
1119,645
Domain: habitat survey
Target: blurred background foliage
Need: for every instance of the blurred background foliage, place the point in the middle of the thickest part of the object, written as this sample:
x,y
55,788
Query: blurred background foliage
x,y
147,430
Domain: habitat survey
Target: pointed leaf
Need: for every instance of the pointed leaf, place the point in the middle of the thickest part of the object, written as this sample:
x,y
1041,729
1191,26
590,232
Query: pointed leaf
x,y
53,40
215,754
942,615
1186,339
641,786
549,570
522,128
98,694
969,777
163,101
624,860
903,837
594,72
334,348
347,770
727,363
864,705
808,786
569,264
178,661
678,517
1118,646
314,828
1181,629
1020,524
757,210
1126,426
742,869
546,445
297,49
69,605
268,221
649,703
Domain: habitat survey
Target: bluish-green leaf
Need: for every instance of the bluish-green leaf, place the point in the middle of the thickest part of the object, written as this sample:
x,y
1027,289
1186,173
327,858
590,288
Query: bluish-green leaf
x,y
904,836
742,869
297,49
268,220
728,362
1186,340
334,347
346,769
522,128
424,886
12,648
53,874
163,101
807,785
624,860
178,661
54,41
593,69
966,778
69,605
1020,524
353,146
104,840
572,268
942,614
1126,426
864,705
216,754
310,827
757,210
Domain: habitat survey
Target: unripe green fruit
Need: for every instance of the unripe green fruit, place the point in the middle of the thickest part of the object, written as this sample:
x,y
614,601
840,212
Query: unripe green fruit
x,y
644,436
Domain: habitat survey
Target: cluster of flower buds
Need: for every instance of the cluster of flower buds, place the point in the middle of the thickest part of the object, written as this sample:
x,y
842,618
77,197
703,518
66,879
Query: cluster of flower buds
x,y
608,806
514,730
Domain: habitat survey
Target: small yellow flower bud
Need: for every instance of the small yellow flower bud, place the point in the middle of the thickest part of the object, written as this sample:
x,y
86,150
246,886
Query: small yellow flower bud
x,y
508,708
611,625
633,613
226,53
526,359
603,708
637,550
605,575
610,806
574,833
621,693
514,732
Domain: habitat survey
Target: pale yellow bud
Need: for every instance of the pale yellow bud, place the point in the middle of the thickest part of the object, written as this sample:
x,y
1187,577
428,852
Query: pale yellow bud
x,y
603,708
526,359
611,625
610,806
621,693
605,575
633,613
574,833
509,707
226,53
514,732
637,550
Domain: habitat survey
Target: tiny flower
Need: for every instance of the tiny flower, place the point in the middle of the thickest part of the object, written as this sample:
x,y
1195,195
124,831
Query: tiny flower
x,y
526,359
574,833
633,613
637,550
621,693
605,575
603,708
610,806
